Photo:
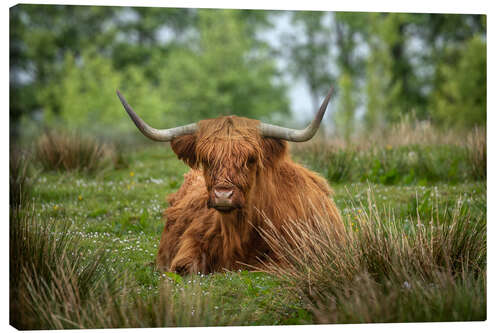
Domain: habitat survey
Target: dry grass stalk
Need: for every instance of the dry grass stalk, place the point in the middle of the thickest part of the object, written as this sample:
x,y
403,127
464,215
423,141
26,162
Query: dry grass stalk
x,y
56,285
404,133
384,272
62,151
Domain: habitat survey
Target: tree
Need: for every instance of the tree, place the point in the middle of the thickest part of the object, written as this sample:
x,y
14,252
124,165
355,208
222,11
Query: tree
x,y
220,74
410,61
66,61
344,118
87,100
205,63
461,100
40,36
147,35
348,29
458,56
309,51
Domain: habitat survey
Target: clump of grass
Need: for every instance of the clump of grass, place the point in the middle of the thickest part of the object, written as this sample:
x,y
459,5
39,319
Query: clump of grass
x,y
60,307
476,153
389,165
387,270
68,152
117,153
19,181
55,284
45,260
409,152
411,131
171,306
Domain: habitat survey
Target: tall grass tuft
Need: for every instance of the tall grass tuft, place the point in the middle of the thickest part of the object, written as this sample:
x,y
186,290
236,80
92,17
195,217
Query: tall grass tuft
x,y
58,306
117,153
55,284
169,307
67,152
19,181
387,270
476,149
45,261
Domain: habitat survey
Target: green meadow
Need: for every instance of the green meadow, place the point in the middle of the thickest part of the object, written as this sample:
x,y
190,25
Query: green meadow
x,y
87,240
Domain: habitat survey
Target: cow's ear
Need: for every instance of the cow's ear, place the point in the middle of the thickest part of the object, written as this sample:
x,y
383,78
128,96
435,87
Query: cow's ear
x,y
184,147
273,149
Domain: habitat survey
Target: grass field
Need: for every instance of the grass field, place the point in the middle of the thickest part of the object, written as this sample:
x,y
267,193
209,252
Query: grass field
x,y
111,221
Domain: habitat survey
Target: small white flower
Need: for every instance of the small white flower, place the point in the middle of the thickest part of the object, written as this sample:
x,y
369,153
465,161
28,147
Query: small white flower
x,y
412,157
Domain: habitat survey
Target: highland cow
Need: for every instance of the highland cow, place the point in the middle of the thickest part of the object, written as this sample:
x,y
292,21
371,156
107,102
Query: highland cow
x,y
241,179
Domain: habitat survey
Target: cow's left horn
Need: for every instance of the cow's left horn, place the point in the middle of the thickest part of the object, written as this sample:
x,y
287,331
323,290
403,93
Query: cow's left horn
x,y
153,133
289,134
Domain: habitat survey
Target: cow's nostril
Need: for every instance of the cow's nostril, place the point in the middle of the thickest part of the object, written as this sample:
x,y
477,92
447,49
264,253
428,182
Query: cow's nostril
x,y
223,194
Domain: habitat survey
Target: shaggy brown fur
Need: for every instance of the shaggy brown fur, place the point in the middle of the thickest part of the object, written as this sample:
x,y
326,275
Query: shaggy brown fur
x,y
230,151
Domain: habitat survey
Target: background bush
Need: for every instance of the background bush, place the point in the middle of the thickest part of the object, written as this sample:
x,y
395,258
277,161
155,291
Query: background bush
x,y
56,150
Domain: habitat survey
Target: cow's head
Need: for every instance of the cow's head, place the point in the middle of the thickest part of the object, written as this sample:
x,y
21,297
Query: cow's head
x,y
231,151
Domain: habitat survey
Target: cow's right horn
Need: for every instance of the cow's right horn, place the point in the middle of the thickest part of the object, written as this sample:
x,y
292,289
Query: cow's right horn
x,y
289,134
153,133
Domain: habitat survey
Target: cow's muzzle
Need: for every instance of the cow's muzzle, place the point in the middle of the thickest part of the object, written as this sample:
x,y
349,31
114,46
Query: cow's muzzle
x,y
224,199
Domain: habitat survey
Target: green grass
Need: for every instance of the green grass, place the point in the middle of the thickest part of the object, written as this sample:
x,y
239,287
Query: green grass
x,y
119,212
408,165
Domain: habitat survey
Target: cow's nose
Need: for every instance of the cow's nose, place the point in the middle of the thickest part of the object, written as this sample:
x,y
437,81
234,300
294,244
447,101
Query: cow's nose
x,y
223,194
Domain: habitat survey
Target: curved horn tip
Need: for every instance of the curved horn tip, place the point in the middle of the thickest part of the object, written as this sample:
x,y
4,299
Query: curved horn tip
x,y
298,135
151,132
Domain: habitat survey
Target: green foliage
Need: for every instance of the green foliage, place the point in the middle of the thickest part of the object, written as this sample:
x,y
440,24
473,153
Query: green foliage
x,y
376,87
210,65
142,45
401,63
348,28
416,252
41,35
309,53
87,96
180,65
391,67
463,92
345,116
220,74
